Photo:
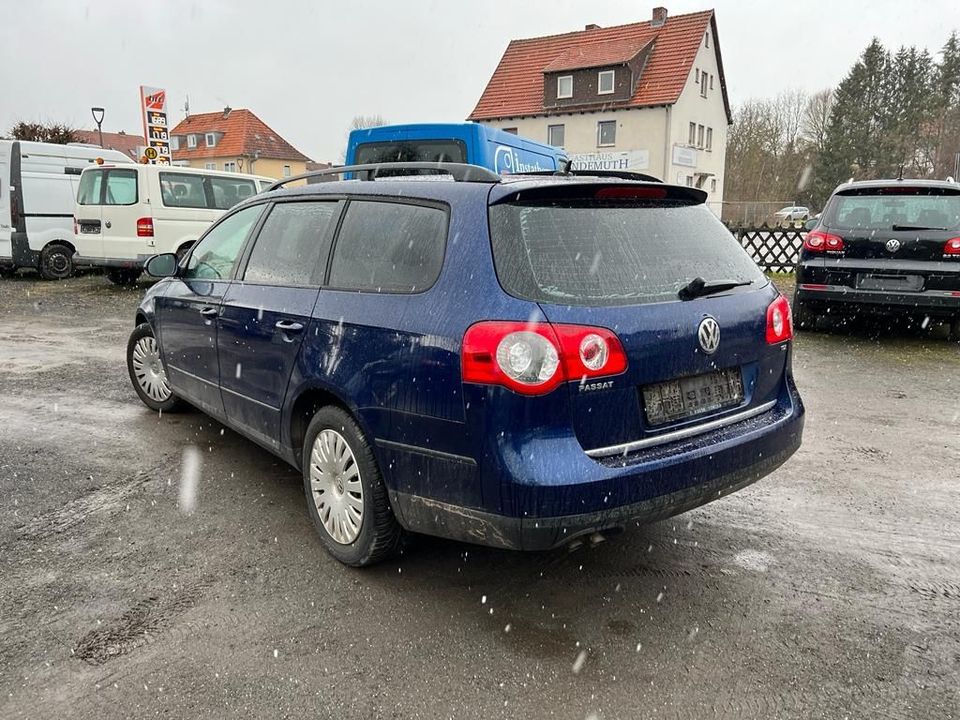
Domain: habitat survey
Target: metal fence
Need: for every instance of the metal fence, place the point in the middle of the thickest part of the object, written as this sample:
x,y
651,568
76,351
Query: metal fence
x,y
774,249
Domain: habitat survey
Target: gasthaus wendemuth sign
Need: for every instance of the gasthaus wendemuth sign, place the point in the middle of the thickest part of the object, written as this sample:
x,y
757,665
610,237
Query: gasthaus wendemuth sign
x,y
153,106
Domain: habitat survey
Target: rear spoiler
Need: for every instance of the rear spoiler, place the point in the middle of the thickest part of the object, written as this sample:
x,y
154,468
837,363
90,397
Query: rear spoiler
x,y
625,192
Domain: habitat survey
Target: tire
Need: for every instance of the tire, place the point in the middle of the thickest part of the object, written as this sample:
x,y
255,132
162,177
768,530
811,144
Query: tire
x,y
56,262
346,497
123,276
146,371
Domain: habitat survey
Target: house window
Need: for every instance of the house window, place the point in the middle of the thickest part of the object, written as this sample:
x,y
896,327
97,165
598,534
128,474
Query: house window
x,y
709,138
565,87
230,166
191,141
699,136
711,82
174,142
210,166
713,185
696,75
555,135
689,180
707,39
703,84
692,137
512,131
286,171
605,80
606,133
211,139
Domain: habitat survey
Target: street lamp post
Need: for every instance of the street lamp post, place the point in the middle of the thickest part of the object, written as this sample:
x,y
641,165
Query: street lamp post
x,y
97,113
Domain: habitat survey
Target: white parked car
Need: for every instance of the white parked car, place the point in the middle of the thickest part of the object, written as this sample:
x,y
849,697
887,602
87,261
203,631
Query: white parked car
x,y
792,213
38,187
125,214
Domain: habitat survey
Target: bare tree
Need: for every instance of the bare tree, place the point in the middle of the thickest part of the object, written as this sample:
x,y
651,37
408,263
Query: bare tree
x,y
366,121
816,119
43,132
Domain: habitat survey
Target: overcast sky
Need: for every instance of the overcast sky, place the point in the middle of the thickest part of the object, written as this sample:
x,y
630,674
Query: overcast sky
x,y
307,68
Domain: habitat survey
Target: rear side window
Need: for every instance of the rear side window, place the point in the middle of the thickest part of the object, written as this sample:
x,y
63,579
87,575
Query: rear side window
x,y
121,187
182,190
894,208
89,191
227,192
292,246
598,253
389,247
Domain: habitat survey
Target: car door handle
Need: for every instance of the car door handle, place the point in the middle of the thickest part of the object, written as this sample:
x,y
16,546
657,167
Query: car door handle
x,y
209,312
288,326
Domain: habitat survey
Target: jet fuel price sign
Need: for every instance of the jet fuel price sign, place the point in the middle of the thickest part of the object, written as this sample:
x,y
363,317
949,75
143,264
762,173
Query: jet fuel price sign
x,y
153,106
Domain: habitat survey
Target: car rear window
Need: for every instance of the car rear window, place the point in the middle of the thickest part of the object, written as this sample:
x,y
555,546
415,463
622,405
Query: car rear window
x,y
894,207
88,193
389,247
597,253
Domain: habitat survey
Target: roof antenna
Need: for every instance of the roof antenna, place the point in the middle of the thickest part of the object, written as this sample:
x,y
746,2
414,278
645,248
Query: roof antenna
x,y
900,173
566,167
186,107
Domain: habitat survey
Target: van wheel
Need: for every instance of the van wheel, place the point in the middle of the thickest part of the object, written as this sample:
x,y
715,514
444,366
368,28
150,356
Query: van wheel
x,y
123,276
56,262
346,497
146,371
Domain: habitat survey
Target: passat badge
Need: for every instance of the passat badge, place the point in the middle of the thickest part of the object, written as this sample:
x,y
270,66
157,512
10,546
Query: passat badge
x,y
893,245
709,335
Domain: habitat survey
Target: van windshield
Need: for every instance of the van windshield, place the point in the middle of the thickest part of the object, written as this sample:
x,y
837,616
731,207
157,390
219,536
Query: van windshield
x,y
412,151
594,253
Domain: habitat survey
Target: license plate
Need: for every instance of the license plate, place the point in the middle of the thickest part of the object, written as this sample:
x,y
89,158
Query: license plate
x,y
685,397
910,283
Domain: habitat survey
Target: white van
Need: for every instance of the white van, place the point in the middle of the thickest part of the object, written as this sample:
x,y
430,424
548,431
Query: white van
x,y
126,214
38,187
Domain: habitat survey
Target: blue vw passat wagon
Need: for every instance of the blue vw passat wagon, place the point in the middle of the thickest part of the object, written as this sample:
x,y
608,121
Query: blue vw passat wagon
x,y
515,362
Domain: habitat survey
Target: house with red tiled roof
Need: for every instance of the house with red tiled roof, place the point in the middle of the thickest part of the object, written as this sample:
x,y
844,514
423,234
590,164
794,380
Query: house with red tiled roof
x,y
132,145
234,140
648,96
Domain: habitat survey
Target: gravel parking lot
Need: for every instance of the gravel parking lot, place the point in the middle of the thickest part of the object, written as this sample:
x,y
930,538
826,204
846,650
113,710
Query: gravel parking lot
x,y
830,589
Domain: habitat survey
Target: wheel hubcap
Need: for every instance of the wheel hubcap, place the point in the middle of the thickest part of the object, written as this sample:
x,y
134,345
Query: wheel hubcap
x,y
335,486
149,370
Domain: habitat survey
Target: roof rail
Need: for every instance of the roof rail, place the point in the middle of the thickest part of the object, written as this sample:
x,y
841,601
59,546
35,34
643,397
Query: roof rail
x,y
461,172
622,174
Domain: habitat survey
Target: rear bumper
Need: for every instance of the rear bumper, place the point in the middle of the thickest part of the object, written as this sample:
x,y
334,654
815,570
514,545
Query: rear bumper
x,y
930,301
631,489
126,263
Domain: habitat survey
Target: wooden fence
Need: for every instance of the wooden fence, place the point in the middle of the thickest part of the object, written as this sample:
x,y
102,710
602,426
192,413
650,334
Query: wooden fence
x,y
774,249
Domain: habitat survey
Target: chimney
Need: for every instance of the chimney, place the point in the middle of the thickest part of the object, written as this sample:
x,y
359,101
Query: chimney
x,y
227,109
659,17
592,26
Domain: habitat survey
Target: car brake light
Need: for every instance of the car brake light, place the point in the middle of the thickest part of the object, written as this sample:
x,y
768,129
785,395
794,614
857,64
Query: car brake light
x,y
535,358
627,192
779,321
952,246
145,227
818,241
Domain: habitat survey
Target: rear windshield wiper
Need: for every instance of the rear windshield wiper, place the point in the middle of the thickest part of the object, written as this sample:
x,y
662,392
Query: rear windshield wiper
x,y
698,287
916,227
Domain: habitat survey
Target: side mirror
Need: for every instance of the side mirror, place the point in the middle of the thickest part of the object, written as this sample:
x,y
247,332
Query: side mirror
x,y
810,224
161,266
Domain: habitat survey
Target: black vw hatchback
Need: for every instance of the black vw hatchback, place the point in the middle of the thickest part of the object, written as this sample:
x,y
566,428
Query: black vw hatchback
x,y
887,246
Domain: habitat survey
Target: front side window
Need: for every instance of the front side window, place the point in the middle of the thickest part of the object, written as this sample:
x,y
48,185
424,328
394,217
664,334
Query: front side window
x,y
292,245
389,247
89,191
606,133
121,187
215,255
565,87
555,135
605,82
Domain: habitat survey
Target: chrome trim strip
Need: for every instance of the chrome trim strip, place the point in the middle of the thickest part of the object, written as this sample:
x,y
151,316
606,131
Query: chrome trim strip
x,y
624,448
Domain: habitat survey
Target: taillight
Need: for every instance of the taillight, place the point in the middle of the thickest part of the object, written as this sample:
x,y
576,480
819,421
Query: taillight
x,y
779,321
145,227
952,247
535,358
818,241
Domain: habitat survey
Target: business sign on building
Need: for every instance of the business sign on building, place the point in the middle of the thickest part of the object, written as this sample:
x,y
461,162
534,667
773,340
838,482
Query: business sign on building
x,y
153,106
684,156
625,160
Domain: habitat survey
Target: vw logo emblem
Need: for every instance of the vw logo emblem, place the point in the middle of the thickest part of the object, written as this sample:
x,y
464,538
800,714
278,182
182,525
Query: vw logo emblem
x,y
893,245
709,335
